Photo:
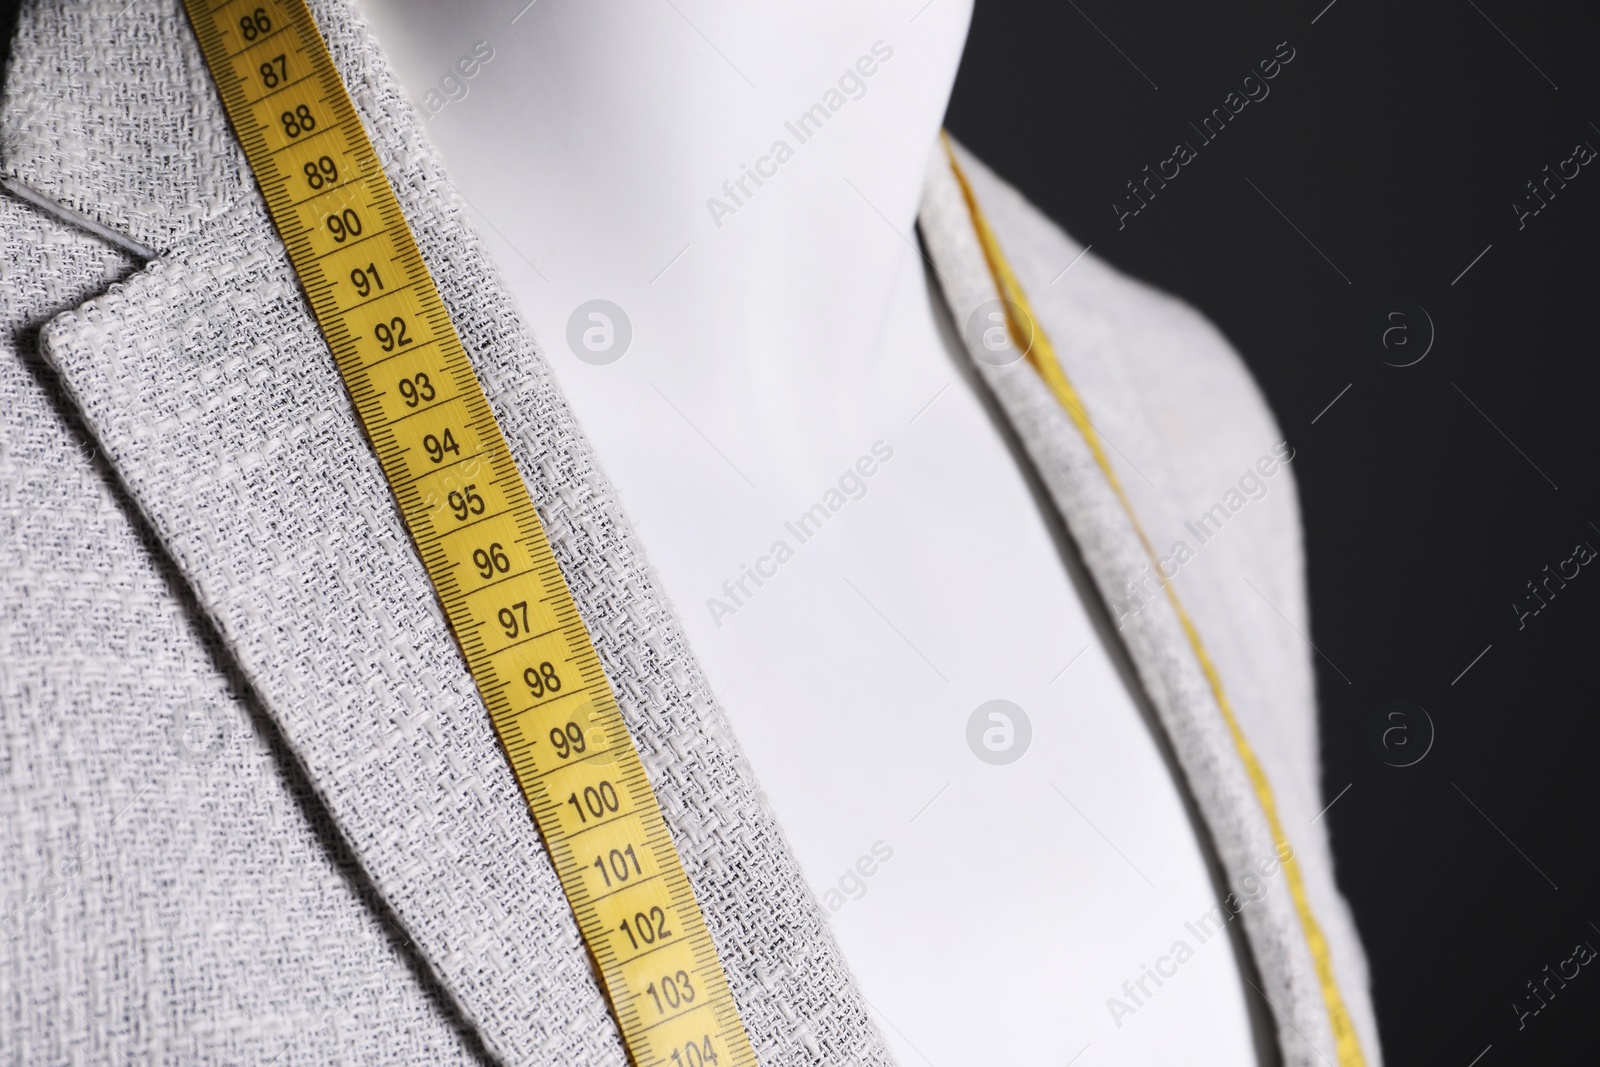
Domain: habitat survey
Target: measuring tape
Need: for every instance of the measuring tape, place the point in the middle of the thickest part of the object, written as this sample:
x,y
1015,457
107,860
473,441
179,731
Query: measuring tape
x,y
476,530
1042,357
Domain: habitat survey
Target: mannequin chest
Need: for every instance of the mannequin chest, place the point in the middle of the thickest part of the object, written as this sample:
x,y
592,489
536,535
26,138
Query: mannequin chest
x,y
864,570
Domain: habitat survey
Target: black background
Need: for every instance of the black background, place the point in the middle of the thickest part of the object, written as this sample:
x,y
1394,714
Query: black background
x,y
1397,141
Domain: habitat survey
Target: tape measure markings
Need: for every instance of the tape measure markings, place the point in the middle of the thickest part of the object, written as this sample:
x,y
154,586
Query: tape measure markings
x,y
476,530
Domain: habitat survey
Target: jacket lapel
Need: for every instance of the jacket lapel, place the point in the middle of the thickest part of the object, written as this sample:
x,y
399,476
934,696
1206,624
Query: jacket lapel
x,y
1170,410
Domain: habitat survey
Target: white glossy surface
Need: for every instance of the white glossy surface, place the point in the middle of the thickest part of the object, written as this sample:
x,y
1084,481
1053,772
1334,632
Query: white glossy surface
x,y
768,355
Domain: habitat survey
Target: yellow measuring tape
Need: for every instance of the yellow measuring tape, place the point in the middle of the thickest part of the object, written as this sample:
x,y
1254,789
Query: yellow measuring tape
x,y
476,530
1042,357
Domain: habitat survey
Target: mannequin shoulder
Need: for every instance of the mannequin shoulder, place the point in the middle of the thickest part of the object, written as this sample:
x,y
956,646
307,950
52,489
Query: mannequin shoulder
x,y
1146,363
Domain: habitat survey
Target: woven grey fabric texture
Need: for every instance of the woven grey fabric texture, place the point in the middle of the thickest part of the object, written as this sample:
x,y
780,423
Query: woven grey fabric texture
x,y
170,892
1181,419
207,387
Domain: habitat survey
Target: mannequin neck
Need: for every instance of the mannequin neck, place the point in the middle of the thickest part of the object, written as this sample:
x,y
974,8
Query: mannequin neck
x,y
743,186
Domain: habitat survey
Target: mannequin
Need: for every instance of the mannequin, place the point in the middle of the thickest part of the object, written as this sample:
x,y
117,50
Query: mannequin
x,y
993,881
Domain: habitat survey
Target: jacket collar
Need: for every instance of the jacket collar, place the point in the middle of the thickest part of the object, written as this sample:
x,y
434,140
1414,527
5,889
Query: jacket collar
x,y
1139,369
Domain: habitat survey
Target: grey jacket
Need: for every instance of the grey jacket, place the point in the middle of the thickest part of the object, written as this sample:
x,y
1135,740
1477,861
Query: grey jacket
x,y
251,809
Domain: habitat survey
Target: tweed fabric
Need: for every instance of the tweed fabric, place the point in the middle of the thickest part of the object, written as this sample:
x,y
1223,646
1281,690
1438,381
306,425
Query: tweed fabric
x,y
1181,418
170,892
213,397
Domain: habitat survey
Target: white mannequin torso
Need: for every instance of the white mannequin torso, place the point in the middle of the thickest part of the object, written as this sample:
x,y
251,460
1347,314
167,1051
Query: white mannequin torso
x,y
782,331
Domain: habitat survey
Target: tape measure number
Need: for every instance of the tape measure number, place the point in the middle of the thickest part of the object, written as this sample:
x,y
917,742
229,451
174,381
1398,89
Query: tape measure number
x,y
476,529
